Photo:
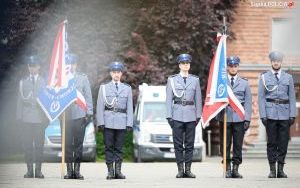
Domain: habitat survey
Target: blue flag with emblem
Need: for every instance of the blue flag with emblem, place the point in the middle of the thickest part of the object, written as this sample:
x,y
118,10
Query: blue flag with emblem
x,y
217,90
61,90
221,93
218,86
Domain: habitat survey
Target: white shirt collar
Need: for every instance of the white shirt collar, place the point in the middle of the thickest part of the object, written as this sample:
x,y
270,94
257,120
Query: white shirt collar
x,y
279,72
114,82
181,74
35,76
234,77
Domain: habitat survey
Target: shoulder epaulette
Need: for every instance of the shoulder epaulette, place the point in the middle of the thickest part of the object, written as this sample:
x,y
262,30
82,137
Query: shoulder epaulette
x,y
172,76
25,78
127,85
264,72
81,74
244,78
284,72
194,76
105,83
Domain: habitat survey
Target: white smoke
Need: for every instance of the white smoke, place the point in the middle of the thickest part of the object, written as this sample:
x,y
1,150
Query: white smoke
x,y
96,31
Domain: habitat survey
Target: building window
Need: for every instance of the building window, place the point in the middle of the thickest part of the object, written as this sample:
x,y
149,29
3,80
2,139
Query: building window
x,y
284,36
297,90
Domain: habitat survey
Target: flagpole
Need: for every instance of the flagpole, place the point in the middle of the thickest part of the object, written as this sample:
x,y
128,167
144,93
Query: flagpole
x,y
224,143
225,118
63,141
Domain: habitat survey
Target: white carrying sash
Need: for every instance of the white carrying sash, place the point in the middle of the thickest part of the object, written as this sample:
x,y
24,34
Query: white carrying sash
x,y
105,99
174,91
264,82
22,93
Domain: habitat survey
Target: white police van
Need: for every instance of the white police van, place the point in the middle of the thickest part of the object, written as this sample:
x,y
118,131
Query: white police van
x,y
52,145
152,135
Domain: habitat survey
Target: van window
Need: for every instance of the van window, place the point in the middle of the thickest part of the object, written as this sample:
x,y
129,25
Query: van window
x,y
154,112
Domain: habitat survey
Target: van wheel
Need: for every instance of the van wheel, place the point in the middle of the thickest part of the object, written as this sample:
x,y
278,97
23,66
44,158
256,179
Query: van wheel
x,y
139,159
137,154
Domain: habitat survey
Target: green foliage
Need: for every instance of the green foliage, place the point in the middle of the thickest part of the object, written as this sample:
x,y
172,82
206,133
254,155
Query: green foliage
x,y
128,147
148,34
21,18
100,146
168,28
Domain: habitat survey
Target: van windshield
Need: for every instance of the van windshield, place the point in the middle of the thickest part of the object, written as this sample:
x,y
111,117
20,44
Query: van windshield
x,y
154,112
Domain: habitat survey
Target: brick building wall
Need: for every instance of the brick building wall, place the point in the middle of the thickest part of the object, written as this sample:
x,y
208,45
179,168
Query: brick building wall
x,y
253,32
252,27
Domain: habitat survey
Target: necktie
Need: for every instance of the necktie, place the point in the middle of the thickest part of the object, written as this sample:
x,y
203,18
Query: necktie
x,y
232,82
117,86
184,79
276,76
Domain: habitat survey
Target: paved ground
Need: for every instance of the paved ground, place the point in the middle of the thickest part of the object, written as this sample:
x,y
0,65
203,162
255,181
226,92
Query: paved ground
x,y
209,174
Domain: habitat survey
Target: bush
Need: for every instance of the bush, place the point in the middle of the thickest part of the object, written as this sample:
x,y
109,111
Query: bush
x,y
128,147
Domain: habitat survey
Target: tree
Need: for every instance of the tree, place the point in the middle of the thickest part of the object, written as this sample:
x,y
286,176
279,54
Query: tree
x,y
167,28
148,34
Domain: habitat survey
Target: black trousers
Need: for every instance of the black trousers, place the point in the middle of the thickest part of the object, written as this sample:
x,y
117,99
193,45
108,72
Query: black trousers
x,y
75,130
278,139
33,142
114,141
235,136
184,138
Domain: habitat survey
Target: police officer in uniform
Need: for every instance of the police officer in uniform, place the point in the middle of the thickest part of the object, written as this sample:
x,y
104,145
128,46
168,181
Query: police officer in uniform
x,y
114,118
30,114
236,127
184,108
277,110
76,121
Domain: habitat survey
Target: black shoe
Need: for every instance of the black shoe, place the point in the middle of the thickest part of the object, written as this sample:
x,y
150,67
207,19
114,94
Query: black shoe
x,y
180,173
280,172
235,171
78,176
29,173
228,173
188,173
70,173
38,171
118,173
272,173
110,171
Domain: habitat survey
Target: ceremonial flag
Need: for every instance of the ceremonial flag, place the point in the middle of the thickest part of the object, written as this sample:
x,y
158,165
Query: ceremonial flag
x,y
60,91
218,93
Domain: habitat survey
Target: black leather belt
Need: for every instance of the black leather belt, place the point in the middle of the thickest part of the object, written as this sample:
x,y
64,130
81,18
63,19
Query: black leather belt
x,y
278,101
183,103
121,110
